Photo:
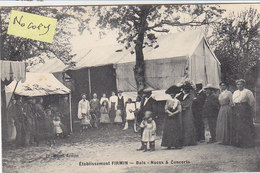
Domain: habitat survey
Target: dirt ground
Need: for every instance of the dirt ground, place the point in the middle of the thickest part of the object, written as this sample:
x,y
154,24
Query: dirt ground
x,y
111,145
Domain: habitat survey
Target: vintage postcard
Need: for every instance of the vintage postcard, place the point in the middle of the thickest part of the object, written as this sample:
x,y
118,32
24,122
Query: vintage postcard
x,y
126,87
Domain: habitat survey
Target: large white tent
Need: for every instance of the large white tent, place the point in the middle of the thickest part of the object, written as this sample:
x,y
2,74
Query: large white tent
x,y
179,56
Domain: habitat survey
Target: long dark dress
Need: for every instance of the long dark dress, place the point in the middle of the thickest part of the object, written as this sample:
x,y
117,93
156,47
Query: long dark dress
x,y
19,121
189,133
224,121
243,118
64,109
197,108
29,123
172,131
39,121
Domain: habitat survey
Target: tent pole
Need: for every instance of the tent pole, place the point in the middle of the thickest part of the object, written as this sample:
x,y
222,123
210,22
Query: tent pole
x,y
89,82
12,94
70,113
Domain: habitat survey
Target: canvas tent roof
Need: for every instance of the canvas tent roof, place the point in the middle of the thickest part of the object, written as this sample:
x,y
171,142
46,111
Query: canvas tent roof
x,y
171,45
98,56
49,66
38,84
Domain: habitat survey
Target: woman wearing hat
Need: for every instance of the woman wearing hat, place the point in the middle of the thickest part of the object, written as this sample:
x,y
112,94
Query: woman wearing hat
x,y
243,110
188,124
172,130
224,128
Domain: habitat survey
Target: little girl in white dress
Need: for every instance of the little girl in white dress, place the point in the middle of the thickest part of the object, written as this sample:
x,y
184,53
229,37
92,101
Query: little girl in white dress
x,y
57,126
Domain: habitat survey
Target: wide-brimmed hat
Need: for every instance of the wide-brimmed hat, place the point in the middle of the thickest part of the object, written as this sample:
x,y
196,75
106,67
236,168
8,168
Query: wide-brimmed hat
x,y
148,89
210,86
173,90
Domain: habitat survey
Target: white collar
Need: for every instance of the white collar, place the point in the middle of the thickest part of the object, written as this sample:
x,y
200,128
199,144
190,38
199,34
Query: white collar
x,y
185,96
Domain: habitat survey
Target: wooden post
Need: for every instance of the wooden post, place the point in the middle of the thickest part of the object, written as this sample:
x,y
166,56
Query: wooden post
x,y
89,82
12,95
70,114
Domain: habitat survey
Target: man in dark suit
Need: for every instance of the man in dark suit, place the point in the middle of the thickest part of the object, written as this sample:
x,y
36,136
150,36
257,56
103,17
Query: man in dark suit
x,y
147,104
210,110
197,109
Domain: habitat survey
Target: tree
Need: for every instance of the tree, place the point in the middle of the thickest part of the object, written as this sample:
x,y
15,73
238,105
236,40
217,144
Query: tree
x,y
137,25
17,48
236,41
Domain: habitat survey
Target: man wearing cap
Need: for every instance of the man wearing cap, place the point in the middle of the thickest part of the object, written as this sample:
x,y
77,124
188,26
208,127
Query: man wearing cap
x,y
147,104
210,110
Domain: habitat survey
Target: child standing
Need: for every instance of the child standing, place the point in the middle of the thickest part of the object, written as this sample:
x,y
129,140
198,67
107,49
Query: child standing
x,y
149,131
104,117
57,126
130,113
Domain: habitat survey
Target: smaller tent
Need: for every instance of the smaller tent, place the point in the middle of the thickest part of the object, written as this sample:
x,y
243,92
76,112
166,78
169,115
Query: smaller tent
x,y
39,84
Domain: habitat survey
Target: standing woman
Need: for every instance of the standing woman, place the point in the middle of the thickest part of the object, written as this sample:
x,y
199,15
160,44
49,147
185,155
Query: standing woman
x,y
224,121
172,130
189,132
113,101
40,118
243,110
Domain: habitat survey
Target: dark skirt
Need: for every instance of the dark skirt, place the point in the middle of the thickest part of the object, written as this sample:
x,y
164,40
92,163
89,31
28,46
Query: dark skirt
x,y
189,133
112,113
243,126
172,132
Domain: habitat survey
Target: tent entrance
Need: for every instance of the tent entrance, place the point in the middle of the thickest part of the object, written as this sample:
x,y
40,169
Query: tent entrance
x,y
103,80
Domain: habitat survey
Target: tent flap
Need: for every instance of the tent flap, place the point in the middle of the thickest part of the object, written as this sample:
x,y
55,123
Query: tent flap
x,y
12,70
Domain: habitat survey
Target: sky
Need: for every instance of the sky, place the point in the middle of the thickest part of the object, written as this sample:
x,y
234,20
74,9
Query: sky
x,y
85,41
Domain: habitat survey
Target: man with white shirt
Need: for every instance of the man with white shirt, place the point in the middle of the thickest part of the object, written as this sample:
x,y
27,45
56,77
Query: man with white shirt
x,y
83,112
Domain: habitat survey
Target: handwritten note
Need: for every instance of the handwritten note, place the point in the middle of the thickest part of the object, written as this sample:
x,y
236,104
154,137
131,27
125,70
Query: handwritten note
x,y
32,26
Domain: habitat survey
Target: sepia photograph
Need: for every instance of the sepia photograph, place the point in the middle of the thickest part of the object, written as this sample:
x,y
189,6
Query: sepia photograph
x,y
130,87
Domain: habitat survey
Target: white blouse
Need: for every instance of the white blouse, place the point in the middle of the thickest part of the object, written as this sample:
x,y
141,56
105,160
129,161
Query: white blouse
x,y
103,99
113,99
244,96
83,108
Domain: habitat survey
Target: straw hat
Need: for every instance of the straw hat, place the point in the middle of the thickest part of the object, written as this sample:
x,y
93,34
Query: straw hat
x,y
148,89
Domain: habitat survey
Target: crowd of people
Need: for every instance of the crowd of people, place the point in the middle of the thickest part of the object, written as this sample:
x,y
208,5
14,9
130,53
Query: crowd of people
x,y
30,122
229,117
188,112
115,109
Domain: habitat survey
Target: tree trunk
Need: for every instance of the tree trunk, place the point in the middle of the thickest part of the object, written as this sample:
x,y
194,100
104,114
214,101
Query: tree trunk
x,y
139,70
139,66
